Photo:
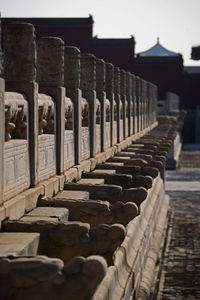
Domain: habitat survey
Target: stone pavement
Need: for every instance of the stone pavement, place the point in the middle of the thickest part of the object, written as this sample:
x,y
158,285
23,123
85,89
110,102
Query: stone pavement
x,y
179,276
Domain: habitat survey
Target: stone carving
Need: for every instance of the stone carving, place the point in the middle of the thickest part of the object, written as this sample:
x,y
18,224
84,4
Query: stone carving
x,y
41,277
115,110
85,112
117,80
50,63
110,193
15,116
73,238
19,52
108,112
95,212
68,114
98,111
109,78
72,67
88,72
123,82
128,84
45,114
100,76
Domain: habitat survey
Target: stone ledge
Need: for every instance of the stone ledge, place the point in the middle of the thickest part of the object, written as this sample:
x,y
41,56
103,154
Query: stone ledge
x,y
18,243
2,214
51,186
15,208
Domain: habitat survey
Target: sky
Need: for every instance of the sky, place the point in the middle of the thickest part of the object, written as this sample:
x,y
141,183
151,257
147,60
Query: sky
x,y
175,22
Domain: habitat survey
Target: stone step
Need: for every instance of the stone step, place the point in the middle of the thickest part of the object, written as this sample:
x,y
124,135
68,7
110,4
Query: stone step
x,y
103,171
94,181
83,195
18,243
110,192
123,180
94,212
54,213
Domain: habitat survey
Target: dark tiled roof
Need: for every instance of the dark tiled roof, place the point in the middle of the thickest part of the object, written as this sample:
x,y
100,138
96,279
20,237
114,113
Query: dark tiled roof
x,y
75,22
114,43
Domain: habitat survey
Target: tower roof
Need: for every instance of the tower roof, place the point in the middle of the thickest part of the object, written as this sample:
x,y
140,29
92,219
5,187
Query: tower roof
x,y
158,50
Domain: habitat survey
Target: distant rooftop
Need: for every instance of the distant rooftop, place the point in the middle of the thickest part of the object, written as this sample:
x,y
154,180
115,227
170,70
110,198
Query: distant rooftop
x,y
114,42
158,50
51,21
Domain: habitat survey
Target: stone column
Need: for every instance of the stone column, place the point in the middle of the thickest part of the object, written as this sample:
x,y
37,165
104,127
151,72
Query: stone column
x,y
88,87
138,100
134,103
20,76
129,100
72,71
155,102
50,78
123,99
117,99
101,95
110,95
148,104
2,137
144,88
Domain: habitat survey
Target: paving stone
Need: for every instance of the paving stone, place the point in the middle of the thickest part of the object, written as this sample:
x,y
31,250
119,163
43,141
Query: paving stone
x,y
73,195
91,181
18,243
180,265
60,213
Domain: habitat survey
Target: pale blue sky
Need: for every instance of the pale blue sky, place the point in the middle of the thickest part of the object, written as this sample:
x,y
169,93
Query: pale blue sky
x,y
176,22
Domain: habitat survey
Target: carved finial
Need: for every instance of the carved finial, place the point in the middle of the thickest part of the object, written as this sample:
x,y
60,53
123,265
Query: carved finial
x,y
158,40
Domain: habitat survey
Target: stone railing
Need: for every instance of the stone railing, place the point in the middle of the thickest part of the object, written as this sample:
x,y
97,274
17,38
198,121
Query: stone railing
x,y
72,122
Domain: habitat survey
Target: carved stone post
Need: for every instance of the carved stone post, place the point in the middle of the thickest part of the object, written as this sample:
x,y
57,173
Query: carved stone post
x,y
110,95
155,102
134,107
130,102
2,137
72,84
124,101
20,76
101,95
119,104
144,104
51,80
147,103
88,87
138,100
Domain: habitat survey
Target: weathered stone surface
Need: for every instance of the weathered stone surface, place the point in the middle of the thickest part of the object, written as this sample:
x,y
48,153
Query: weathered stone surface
x,y
142,181
15,208
93,181
34,219
111,193
99,171
19,52
127,161
95,212
59,213
117,179
75,195
73,238
18,243
88,72
72,67
41,277
50,63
